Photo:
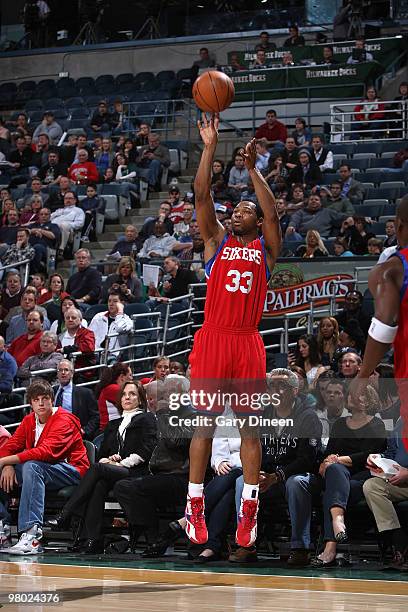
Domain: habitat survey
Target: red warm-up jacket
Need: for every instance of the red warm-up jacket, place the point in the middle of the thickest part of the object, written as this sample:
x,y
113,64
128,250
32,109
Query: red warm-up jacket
x,y
369,111
60,440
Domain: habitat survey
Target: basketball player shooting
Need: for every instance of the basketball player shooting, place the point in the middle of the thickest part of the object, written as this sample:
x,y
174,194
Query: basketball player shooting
x,y
229,347
388,283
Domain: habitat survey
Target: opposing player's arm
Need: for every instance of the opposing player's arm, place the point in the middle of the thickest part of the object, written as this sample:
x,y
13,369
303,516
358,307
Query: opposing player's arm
x,y
211,229
384,283
271,230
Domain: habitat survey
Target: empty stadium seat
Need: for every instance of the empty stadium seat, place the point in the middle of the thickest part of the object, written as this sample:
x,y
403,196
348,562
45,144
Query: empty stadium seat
x,y
374,175
390,193
378,227
360,163
165,76
380,163
389,184
122,79
368,210
367,147
75,102
36,116
34,105
105,84
393,146
112,207
80,113
377,202
53,103
344,148
397,175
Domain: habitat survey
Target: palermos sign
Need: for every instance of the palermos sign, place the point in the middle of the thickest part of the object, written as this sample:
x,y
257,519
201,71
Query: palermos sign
x,y
289,292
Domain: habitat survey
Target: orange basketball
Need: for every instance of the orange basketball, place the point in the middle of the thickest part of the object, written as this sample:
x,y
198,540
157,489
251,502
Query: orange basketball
x,y
213,91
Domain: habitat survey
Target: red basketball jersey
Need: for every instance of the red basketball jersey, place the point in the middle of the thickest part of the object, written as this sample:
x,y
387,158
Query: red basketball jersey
x,y
401,339
237,278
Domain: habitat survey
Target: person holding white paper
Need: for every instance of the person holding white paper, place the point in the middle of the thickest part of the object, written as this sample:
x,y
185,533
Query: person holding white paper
x,y
381,494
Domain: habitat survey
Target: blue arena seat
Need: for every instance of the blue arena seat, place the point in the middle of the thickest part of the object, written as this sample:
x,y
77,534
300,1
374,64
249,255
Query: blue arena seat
x,y
34,105
122,79
165,76
393,146
368,147
345,148
80,113
75,102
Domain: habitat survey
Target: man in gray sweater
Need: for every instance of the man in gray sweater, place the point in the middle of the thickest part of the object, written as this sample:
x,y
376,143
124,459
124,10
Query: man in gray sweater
x,y
324,220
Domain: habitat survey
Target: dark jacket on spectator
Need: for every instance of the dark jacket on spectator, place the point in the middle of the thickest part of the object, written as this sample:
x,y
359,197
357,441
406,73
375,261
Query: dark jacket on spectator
x,y
179,283
85,282
172,451
294,449
140,438
8,369
312,177
148,228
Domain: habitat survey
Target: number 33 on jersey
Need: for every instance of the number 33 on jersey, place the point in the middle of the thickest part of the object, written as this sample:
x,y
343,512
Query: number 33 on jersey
x,y
237,278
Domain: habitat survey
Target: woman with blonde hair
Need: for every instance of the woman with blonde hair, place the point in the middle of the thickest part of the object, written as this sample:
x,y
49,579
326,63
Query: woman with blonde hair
x,y
314,246
328,338
124,280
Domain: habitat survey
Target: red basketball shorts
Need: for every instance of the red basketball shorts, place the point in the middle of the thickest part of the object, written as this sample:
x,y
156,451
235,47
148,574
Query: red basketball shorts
x,y
228,366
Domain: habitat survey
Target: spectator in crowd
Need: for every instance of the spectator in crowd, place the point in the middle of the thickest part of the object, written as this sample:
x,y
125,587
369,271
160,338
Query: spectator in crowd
x,y
127,446
235,64
153,157
374,246
35,189
182,228
125,281
7,203
262,155
8,371
298,200
264,43
114,323
119,119
130,244
38,281
177,204
10,295
68,219
159,245
42,149
370,115
20,251
28,344
108,389
286,470
163,216
308,358
344,471
314,246
45,452
328,56
295,39
47,359
354,229
341,249
180,278
104,158
4,132
78,339
398,120
51,172
205,61
57,194
333,408
21,125
305,172
352,336
85,284
58,324
78,400
349,364
126,170
49,127
381,493
84,171
101,120
29,214
142,136
21,158
18,316
327,339
341,22
273,130
238,177
161,369
321,155
350,188
391,239
276,169
43,235
55,293
284,218
333,200
259,61
168,478
301,133
353,303
8,233
360,53
313,217
92,205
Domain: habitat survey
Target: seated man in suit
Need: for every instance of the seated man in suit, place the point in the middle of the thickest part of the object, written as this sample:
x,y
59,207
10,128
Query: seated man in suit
x,y
78,400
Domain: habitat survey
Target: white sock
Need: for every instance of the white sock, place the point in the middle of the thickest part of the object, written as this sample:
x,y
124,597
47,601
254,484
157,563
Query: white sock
x,y
250,491
33,530
195,490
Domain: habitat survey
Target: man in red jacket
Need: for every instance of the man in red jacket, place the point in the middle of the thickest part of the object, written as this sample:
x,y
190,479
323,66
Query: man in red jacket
x,y
84,172
273,130
28,344
46,451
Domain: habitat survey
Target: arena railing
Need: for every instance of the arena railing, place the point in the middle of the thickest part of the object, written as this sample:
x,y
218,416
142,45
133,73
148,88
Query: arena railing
x,y
18,265
344,127
186,303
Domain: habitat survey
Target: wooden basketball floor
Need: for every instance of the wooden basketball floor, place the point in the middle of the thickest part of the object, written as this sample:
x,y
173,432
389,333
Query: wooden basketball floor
x,y
122,584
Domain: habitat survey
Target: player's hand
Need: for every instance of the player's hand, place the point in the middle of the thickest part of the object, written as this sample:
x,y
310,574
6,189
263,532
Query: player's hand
x,y
209,129
249,154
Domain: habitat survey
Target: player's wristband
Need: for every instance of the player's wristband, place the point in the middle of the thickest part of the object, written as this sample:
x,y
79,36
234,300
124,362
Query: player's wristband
x,y
381,332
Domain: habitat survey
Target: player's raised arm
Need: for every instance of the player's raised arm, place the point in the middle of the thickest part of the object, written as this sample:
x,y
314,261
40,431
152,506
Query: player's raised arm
x,y
211,229
271,230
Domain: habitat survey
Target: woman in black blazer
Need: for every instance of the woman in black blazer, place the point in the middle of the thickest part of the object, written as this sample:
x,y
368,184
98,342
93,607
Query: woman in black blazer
x,y
125,452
